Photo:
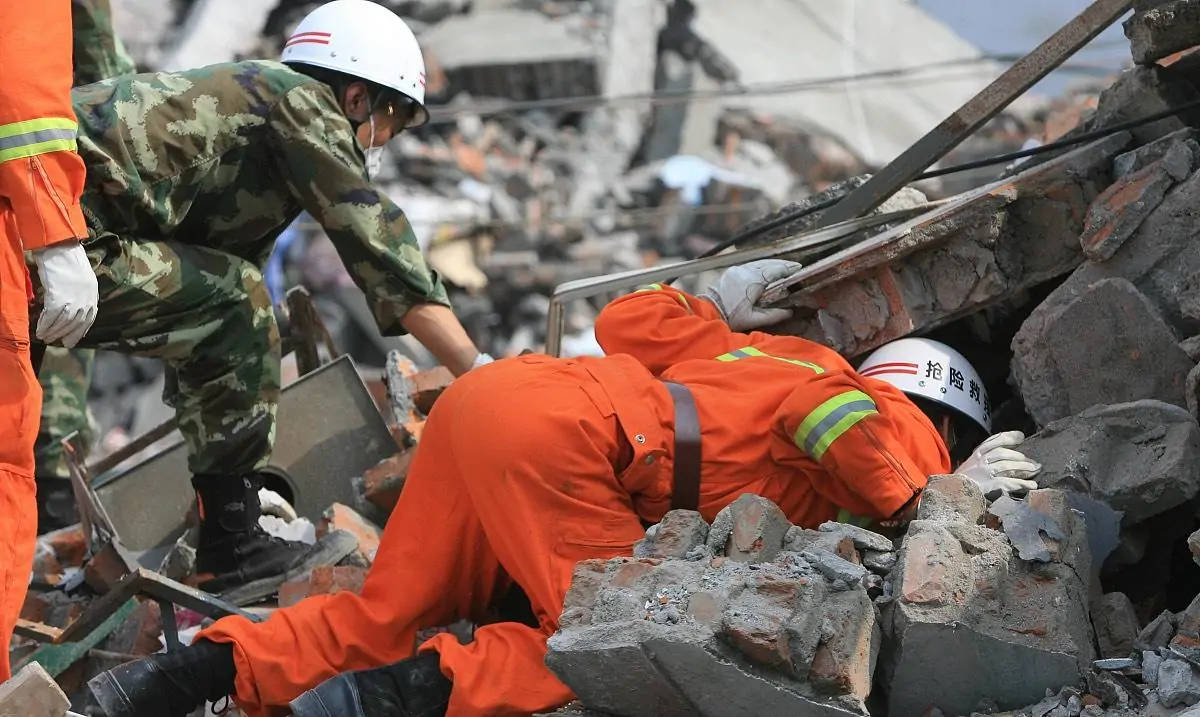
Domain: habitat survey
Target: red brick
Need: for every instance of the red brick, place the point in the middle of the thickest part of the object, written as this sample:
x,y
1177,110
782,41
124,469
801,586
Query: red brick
x,y
426,386
68,545
925,578
382,484
342,517
323,580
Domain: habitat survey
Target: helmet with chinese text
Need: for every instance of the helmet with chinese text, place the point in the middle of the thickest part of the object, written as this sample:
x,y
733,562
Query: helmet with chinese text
x,y
933,371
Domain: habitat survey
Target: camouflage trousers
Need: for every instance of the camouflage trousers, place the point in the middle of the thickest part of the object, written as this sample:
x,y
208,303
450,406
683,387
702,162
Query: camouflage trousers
x,y
65,376
207,315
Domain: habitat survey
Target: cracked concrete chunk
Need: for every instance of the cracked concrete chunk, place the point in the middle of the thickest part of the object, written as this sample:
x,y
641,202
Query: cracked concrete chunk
x,y
1116,625
1142,458
679,533
1060,372
32,692
863,539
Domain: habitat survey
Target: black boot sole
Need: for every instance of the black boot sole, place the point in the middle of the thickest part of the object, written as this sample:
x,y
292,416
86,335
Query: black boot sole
x,y
329,550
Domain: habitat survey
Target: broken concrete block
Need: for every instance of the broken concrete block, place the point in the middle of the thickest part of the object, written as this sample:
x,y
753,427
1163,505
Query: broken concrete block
x,y
342,517
1178,683
1147,154
1116,624
1151,661
1193,543
32,692
719,636
863,539
1186,642
426,386
1141,91
1059,372
1191,346
1164,30
1162,259
322,580
1117,213
1115,690
1028,530
952,498
1114,663
1157,633
969,620
835,568
977,250
750,529
1142,458
679,533
878,562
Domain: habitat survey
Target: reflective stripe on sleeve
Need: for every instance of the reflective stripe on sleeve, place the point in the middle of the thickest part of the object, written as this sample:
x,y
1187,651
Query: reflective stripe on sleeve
x,y
831,419
38,136
751,352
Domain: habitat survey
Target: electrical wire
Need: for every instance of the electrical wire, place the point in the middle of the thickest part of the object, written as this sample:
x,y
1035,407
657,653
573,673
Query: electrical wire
x,y
443,114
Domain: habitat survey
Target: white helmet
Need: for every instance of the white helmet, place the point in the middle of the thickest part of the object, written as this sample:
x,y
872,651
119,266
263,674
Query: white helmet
x,y
366,40
934,371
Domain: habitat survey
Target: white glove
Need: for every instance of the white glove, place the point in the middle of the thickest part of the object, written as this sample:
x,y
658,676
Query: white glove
x,y
995,466
482,359
70,293
737,291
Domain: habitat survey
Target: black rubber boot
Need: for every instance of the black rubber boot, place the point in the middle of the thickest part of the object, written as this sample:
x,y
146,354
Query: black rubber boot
x,y
414,687
233,549
171,684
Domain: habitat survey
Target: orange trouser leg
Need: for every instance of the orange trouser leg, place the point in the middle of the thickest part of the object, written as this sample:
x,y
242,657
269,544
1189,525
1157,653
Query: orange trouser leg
x,y
20,407
513,477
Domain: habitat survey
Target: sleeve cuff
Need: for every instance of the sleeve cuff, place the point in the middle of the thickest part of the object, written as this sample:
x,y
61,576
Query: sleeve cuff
x,y
43,193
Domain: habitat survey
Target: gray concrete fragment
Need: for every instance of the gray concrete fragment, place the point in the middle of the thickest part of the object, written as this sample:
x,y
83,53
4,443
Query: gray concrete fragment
x,y
1191,391
863,539
32,692
1164,30
1115,690
1151,661
1146,154
1141,91
952,498
1026,528
1142,458
834,567
679,533
1178,683
1157,633
1114,663
879,562
751,529
1116,625
1191,346
1117,213
1059,372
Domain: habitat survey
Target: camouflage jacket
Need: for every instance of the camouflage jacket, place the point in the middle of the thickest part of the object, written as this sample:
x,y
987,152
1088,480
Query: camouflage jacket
x,y
227,156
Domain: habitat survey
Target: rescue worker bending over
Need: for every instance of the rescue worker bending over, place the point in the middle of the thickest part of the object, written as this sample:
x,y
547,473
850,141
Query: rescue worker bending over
x,y
532,464
191,176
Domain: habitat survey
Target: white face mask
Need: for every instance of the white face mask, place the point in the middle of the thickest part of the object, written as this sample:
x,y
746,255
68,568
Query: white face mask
x,y
374,155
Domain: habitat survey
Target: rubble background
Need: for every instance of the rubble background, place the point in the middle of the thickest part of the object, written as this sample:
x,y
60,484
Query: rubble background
x,y
1069,280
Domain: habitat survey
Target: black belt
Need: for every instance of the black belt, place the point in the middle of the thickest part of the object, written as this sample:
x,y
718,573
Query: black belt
x,y
685,492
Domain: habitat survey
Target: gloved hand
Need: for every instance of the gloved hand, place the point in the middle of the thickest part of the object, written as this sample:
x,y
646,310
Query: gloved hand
x,y
482,359
737,291
70,293
995,466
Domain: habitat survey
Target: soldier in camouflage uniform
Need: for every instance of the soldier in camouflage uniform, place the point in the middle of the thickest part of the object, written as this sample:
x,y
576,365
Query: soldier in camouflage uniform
x,y
191,176
66,374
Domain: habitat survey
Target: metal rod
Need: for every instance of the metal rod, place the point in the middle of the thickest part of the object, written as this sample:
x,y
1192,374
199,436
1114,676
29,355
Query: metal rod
x,y
1023,74
166,612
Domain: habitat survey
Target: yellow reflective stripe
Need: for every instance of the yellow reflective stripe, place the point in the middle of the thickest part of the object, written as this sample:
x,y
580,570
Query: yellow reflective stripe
x,y
36,125
830,420
845,516
30,150
750,351
649,287
659,287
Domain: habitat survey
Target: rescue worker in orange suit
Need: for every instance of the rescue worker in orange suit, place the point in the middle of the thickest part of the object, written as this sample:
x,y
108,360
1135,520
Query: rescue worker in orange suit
x,y
41,178
532,464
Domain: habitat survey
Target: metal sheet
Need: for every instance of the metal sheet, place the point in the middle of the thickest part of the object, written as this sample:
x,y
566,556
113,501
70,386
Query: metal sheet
x,y
979,109
328,432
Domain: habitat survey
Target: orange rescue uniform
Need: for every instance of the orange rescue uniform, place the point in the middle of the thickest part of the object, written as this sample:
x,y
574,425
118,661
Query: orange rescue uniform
x,y
529,465
41,178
